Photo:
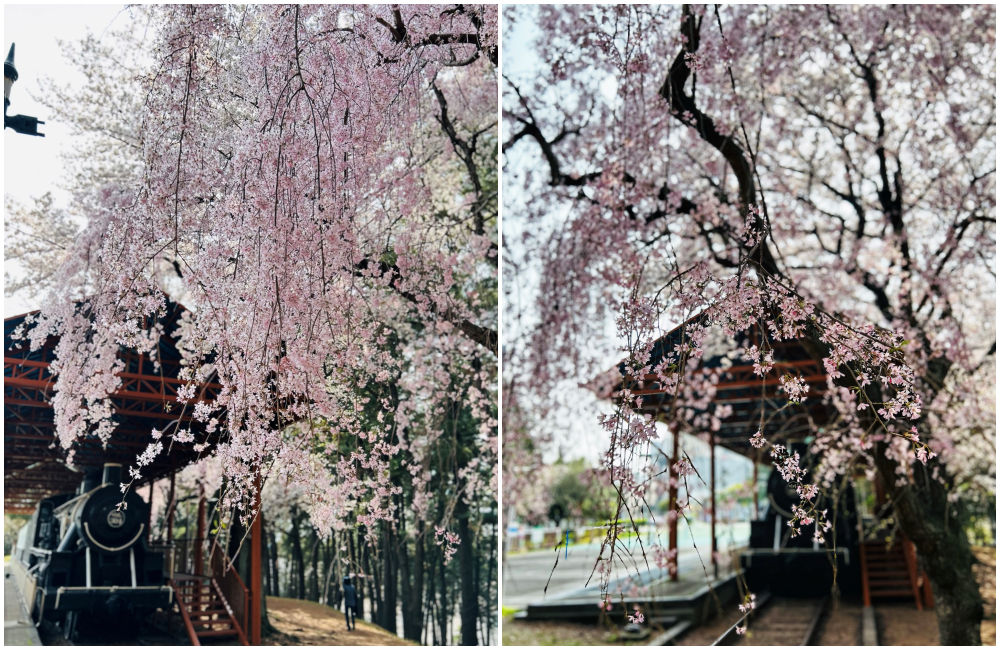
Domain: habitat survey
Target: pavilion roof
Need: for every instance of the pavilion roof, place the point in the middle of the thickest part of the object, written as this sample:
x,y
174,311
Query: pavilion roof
x,y
34,461
747,393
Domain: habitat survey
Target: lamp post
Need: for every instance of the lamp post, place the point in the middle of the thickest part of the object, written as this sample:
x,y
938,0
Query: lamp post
x,y
20,123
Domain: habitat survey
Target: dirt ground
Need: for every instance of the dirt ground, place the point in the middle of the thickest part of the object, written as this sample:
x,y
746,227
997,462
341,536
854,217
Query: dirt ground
x,y
986,574
297,622
841,625
901,624
300,622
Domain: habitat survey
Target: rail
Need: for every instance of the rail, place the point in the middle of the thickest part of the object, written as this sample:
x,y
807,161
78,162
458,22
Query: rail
x,y
797,626
231,587
730,636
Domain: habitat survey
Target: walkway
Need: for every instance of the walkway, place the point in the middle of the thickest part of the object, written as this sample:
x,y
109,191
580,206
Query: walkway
x,y
17,626
526,574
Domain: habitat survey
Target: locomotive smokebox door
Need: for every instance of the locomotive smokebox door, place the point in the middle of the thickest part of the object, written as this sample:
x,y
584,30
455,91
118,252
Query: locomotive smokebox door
x,y
110,527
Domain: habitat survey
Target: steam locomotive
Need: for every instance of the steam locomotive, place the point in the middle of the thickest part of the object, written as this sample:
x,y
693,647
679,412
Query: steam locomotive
x,y
799,566
80,553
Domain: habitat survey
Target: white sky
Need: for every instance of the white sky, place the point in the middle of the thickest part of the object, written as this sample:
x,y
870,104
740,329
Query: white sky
x,y
575,430
33,166
577,434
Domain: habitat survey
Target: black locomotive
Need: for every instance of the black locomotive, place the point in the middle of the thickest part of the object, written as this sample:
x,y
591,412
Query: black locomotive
x,y
81,553
799,566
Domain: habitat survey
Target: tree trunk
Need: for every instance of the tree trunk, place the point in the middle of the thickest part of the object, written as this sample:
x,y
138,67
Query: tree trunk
x,y
366,569
492,563
324,596
266,562
389,600
297,557
922,511
432,604
314,570
443,603
272,556
411,583
467,571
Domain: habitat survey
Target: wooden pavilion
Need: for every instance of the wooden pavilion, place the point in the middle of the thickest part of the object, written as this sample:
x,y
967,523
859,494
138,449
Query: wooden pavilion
x,y
885,571
746,393
35,464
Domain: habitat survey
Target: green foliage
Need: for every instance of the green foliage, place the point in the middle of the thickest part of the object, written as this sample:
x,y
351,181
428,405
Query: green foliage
x,y
577,493
12,525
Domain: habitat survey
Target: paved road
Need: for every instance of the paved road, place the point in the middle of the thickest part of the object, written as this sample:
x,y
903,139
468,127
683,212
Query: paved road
x,y
525,575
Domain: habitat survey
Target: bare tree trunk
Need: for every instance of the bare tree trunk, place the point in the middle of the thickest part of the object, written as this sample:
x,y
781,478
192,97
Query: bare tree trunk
x,y
273,561
300,568
443,604
266,561
412,583
314,570
389,600
467,572
431,601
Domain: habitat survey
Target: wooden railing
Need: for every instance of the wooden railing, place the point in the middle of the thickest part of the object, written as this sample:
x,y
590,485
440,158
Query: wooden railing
x,y
168,557
181,599
231,586
190,556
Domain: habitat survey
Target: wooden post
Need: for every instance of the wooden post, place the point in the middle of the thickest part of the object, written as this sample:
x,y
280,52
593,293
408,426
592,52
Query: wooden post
x,y
199,543
672,499
256,582
171,508
711,448
756,493
149,515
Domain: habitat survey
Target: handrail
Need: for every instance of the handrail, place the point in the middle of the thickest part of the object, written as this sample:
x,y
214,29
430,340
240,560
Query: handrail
x,y
231,588
910,554
181,605
229,610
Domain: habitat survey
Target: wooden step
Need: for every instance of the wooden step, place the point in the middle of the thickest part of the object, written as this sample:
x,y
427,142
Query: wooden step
x,y
877,584
221,624
891,592
228,632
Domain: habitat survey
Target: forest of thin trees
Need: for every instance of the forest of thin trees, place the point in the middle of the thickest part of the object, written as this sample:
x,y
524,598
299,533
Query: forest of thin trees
x,y
408,582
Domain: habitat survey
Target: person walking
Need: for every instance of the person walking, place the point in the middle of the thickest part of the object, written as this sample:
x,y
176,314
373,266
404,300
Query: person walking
x,y
350,602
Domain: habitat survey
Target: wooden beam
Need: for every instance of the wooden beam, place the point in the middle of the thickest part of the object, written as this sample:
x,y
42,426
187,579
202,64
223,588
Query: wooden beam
x,y
715,549
756,493
673,515
256,593
149,514
171,507
199,542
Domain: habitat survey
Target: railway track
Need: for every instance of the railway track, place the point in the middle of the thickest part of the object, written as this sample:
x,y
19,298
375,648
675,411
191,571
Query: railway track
x,y
779,621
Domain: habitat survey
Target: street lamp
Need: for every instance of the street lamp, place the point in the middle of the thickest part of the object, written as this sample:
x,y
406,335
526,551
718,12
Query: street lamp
x,y
20,123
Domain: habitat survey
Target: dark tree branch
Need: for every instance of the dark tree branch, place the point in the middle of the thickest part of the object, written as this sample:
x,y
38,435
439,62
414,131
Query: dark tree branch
x,y
484,336
684,108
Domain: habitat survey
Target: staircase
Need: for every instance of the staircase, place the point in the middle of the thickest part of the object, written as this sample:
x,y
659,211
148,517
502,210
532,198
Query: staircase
x,y
888,573
204,609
